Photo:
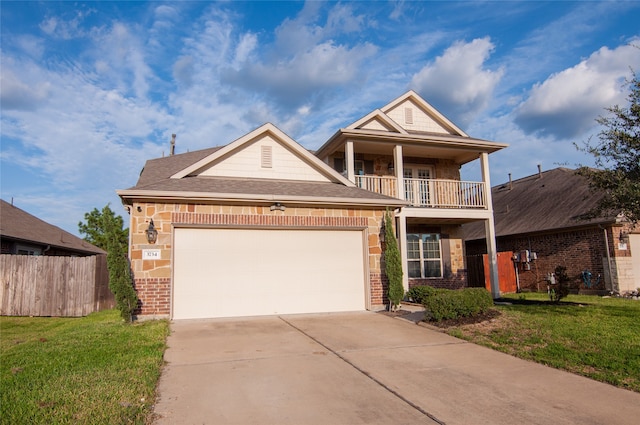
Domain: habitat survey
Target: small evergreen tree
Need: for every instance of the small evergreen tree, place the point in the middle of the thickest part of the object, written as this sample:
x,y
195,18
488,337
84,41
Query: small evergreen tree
x,y
105,230
393,264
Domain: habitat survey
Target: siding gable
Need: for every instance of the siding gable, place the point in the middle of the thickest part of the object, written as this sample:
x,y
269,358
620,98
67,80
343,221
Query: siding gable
x,y
264,153
251,162
412,117
415,115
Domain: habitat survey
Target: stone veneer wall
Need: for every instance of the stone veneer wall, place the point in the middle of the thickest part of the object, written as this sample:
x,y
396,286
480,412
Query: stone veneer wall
x,y
152,278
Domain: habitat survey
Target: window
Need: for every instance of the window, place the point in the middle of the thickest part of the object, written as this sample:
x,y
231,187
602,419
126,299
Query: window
x,y
424,255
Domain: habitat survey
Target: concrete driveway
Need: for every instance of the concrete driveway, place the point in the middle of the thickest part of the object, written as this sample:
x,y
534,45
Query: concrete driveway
x,y
364,368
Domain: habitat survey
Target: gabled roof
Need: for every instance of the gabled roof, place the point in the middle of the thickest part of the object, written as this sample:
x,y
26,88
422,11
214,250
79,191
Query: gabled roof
x,y
416,125
425,107
200,176
19,225
379,117
549,201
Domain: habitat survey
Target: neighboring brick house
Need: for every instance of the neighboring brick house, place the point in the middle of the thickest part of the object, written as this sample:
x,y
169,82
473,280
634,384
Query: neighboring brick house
x,y
540,214
262,226
23,233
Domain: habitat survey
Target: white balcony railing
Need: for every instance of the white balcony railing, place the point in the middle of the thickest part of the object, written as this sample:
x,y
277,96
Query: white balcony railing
x,y
433,193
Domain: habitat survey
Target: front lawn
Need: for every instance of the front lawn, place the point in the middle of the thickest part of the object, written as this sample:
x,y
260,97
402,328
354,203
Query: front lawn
x,y
588,335
90,370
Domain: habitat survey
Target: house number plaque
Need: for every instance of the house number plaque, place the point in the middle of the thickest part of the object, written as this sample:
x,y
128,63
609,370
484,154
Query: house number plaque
x,y
150,254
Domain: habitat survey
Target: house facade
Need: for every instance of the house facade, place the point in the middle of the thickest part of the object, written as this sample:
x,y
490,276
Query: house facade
x,y
538,219
263,226
408,150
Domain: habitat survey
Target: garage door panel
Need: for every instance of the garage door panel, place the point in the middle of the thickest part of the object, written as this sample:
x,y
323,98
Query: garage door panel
x,y
242,272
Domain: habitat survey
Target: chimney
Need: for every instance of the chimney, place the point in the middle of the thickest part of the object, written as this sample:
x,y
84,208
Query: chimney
x,y
510,182
539,171
173,144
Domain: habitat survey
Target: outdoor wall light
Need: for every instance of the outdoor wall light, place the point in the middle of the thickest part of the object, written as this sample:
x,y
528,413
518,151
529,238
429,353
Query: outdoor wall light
x,y
390,167
278,206
152,233
383,233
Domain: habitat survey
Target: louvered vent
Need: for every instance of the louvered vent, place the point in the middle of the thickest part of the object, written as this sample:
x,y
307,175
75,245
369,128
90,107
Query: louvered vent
x,y
408,116
266,158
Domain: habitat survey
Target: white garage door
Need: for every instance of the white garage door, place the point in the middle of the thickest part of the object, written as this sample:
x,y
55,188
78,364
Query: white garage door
x,y
244,272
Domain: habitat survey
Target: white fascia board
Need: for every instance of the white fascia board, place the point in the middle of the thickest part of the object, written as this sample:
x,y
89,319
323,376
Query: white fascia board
x,y
427,108
383,117
283,138
247,197
436,139
446,213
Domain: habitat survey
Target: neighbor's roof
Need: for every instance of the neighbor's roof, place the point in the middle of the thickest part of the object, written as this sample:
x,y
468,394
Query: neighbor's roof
x,y
552,200
155,182
19,225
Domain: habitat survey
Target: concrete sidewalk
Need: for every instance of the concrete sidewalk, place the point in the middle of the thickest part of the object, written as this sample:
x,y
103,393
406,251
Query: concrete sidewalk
x,y
364,368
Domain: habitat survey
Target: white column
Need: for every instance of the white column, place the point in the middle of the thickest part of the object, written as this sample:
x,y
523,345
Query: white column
x,y
348,153
401,222
490,228
399,167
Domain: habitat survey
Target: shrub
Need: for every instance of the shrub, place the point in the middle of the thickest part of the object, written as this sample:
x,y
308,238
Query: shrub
x,y
446,304
561,288
393,264
419,293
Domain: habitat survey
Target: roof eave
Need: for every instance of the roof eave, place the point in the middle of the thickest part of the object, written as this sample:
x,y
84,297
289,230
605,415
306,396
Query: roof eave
x,y
131,195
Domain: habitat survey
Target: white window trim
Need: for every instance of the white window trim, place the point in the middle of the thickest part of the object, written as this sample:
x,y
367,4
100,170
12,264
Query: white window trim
x,y
422,258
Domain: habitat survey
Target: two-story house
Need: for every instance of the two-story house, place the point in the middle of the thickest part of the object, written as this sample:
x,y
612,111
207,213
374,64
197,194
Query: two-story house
x,y
408,150
263,226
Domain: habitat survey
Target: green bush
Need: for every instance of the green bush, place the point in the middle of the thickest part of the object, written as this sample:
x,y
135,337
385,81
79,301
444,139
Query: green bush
x,y
446,304
419,293
393,264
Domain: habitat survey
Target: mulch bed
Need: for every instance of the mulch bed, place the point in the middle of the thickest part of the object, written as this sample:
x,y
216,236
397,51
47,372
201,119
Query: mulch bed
x,y
445,324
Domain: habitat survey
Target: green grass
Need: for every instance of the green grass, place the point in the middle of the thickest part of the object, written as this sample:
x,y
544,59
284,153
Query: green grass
x,y
91,370
588,335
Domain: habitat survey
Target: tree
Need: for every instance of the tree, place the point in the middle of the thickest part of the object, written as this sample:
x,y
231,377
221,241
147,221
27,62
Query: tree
x,y
104,226
617,158
104,229
393,264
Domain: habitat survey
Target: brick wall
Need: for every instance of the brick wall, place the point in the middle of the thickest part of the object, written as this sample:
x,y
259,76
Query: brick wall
x,y
153,277
576,250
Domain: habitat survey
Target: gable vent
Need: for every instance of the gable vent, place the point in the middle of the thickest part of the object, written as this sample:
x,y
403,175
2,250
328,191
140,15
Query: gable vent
x,y
266,157
408,116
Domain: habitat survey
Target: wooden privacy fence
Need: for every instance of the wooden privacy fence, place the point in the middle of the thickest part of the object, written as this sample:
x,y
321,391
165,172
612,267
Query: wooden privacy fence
x,y
53,286
478,272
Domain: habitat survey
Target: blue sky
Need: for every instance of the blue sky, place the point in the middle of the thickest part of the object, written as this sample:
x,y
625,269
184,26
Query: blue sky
x,y
90,90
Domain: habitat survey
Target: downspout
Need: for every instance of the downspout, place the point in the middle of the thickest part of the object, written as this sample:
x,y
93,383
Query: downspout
x,y
606,241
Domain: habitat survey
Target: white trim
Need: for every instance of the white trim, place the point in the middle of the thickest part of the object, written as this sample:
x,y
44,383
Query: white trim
x,y
254,198
427,108
384,118
282,138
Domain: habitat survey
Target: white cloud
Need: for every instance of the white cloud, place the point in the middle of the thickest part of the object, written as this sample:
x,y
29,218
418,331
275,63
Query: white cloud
x,y
568,102
17,94
457,83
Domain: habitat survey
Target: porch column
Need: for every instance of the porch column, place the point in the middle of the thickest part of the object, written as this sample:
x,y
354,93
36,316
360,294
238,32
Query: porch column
x,y
399,167
401,225
348,153
490,228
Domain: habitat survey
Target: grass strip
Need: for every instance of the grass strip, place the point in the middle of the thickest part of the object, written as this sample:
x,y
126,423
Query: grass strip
x,y
91,370
587,335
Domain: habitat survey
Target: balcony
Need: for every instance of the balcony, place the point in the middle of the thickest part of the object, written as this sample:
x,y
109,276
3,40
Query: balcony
x,y
433,193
